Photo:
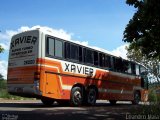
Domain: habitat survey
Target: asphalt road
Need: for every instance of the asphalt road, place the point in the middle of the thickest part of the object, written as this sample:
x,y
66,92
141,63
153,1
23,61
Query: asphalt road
x,y
35,110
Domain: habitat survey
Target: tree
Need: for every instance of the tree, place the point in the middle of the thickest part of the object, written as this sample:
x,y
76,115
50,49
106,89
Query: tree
x,y
143,30
151,63
1,77
1,49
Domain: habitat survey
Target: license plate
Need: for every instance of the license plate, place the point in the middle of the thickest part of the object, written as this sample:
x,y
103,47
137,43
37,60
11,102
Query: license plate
x,y
19,90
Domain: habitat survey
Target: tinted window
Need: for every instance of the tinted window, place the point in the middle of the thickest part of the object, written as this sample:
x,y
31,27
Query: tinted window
x,y
137,70
67,50
125,66
50,46
88,56
74,52
101,59
118,64
108,61
58,48
112,62
133,68
80,53
95,58
129,68
142,70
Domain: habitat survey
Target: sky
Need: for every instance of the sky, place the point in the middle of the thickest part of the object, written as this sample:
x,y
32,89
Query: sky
x,y
97,23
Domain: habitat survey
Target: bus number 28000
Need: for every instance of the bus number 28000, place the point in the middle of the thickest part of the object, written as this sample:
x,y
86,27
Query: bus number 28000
x,y
26,62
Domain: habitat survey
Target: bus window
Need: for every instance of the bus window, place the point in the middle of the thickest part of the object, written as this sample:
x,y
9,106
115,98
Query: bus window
x,y
129,68
50,46
137,70
88,56
112,63
144,78
74,52
125,66
58,48
118,64
101,60
133,69
142,70
80,54
67,50
107,61
95,58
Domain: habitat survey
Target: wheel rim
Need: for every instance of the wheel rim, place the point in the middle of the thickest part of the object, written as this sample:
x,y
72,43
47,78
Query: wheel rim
x,y
77,97
92,96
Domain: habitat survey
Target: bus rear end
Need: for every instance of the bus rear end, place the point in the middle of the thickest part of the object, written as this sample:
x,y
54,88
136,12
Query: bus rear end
x,y
23,72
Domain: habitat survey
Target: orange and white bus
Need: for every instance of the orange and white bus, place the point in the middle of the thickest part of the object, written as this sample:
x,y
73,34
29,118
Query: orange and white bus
x,y
53,69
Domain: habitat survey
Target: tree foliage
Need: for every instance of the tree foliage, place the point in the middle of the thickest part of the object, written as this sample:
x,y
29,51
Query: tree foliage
x,y
143,30
151,63
1,49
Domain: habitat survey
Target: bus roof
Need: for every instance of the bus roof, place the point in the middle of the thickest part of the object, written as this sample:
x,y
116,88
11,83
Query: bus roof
x,y
52,33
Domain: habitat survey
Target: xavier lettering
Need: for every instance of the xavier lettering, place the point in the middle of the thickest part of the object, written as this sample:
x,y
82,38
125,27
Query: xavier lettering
x,y
79,69
24,39
73,68
67,67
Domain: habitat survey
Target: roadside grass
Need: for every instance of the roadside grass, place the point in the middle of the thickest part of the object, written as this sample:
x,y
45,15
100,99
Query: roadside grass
x,y
152,109
5,95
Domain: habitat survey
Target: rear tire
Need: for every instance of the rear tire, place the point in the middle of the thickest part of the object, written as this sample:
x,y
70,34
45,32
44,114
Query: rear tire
x,y
76,96
47,101
137,98
91,96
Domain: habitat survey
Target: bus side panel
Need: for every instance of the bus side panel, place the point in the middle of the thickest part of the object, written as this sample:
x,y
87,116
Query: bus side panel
x,y
110,86
51,86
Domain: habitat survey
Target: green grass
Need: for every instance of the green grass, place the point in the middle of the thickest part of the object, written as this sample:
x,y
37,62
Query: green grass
x,y
152,109
5,95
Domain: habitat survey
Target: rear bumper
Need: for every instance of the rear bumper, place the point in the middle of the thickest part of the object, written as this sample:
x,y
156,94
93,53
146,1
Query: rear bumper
x,y
24,90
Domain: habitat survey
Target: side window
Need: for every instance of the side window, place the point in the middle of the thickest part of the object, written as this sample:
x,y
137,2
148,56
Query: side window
x,y
129,68
112,63
54,47
101,60
142,70
58,48
88,56
137,70
118,64
107,61
67,50
95,58
50,46
125,66
133,68
74,52
80,54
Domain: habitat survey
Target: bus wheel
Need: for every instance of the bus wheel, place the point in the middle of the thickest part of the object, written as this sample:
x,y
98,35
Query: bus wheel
x,y
47,101
136,98
76,96
112,102
91,96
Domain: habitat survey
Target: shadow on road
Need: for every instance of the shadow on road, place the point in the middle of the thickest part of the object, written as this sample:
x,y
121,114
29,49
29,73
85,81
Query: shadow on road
x,y
37,111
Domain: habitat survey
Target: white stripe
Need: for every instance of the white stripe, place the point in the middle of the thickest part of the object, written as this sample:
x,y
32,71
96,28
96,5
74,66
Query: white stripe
x,y
65,87
103,90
